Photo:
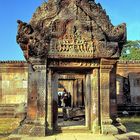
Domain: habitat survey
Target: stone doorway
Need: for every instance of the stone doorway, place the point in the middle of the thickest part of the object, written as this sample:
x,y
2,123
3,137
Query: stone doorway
x,y
68,35
76,113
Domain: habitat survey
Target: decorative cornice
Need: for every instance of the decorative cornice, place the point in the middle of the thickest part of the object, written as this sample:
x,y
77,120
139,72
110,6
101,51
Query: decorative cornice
x,y
25,62
128,61
73,63
13,62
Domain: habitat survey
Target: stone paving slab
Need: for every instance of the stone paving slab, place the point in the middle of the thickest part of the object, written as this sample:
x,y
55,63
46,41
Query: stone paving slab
x,y
77,136
128,136
69,136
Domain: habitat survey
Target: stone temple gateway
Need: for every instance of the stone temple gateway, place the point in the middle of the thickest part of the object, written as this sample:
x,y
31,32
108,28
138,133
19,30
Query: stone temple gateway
x,y
72,42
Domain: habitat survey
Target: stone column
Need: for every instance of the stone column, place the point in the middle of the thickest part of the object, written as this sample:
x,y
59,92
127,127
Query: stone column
x,y
75,93
95,101
79,92
105,96
52,82
113,94
49,102
35,123
88,100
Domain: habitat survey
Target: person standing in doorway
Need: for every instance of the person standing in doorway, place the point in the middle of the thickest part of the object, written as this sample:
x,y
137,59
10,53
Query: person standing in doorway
x,y
69,99
59,99
65,104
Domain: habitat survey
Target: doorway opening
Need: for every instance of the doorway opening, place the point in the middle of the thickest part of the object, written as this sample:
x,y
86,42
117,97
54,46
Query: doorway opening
x,y
73,99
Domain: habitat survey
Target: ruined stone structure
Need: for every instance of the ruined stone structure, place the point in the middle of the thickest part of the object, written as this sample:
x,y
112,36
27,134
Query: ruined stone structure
x,y
13,90
71,40
128,84
13,82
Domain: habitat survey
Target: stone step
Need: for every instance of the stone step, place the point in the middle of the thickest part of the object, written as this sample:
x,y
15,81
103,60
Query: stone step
x,y
7,115
8,120
7,110
73,129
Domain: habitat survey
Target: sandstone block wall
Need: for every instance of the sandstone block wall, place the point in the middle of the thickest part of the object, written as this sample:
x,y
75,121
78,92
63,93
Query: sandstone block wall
x,y
13,82
128,80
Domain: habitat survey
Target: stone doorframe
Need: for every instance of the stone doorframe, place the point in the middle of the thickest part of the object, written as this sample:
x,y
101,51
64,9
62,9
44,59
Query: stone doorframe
x,y
52,104
102,103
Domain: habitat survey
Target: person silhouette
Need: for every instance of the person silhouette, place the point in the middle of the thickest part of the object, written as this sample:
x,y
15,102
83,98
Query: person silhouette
x,y
59,99
69,99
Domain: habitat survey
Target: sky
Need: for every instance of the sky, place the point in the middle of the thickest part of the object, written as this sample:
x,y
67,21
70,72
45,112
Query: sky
x,y
119,11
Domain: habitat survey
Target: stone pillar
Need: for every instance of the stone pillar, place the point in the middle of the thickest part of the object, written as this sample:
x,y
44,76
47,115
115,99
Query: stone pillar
x,y
105,96
35,123
88,100
95,101
113,93
79,92
75,93
51,101
119,90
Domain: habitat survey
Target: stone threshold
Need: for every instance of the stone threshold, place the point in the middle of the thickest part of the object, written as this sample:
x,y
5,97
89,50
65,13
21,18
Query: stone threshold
x,y
73,129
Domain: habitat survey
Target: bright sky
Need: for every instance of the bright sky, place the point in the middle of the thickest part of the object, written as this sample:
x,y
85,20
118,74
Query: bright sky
x,y
10,10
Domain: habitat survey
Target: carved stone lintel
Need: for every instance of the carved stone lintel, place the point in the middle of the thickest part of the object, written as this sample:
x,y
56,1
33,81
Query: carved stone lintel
x,y
76,63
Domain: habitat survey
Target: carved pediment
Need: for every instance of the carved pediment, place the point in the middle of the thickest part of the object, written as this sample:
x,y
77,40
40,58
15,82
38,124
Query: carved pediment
x,y
71,29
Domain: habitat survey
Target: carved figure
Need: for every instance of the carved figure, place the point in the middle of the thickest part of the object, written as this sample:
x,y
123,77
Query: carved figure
x,y
70,29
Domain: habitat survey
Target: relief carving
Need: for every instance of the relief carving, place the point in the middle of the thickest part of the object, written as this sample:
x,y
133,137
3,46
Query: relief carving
x,y
76,63
70,29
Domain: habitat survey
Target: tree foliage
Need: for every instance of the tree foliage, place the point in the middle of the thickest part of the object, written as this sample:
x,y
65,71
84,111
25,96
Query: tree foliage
x,y
131,51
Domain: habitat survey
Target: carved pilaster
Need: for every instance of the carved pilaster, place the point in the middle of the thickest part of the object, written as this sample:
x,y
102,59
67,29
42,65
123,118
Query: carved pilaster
x,y
88,100
49,102
75,93
35,123
95,101
105,93
79,92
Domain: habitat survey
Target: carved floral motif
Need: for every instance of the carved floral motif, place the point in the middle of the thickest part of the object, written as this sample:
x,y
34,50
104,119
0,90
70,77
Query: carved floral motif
x,y
70,29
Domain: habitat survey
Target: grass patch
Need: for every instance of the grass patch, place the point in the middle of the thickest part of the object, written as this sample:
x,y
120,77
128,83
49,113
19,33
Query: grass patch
x,y
8,125
132,124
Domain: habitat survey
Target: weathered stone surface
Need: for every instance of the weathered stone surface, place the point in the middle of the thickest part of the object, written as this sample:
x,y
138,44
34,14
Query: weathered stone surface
x,y
128,136
124,68
70,29
13,82
127,82
59,33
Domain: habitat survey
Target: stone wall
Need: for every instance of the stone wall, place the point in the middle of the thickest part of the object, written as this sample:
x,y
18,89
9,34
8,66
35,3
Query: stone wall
x,y
134,79
14,75
13,82
128,82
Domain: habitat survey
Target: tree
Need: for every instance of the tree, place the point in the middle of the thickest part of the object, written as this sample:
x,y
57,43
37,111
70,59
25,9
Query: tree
x,y
131,51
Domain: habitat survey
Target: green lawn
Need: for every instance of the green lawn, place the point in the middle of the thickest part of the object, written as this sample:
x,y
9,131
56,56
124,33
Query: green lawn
x,y
132,124
8,125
